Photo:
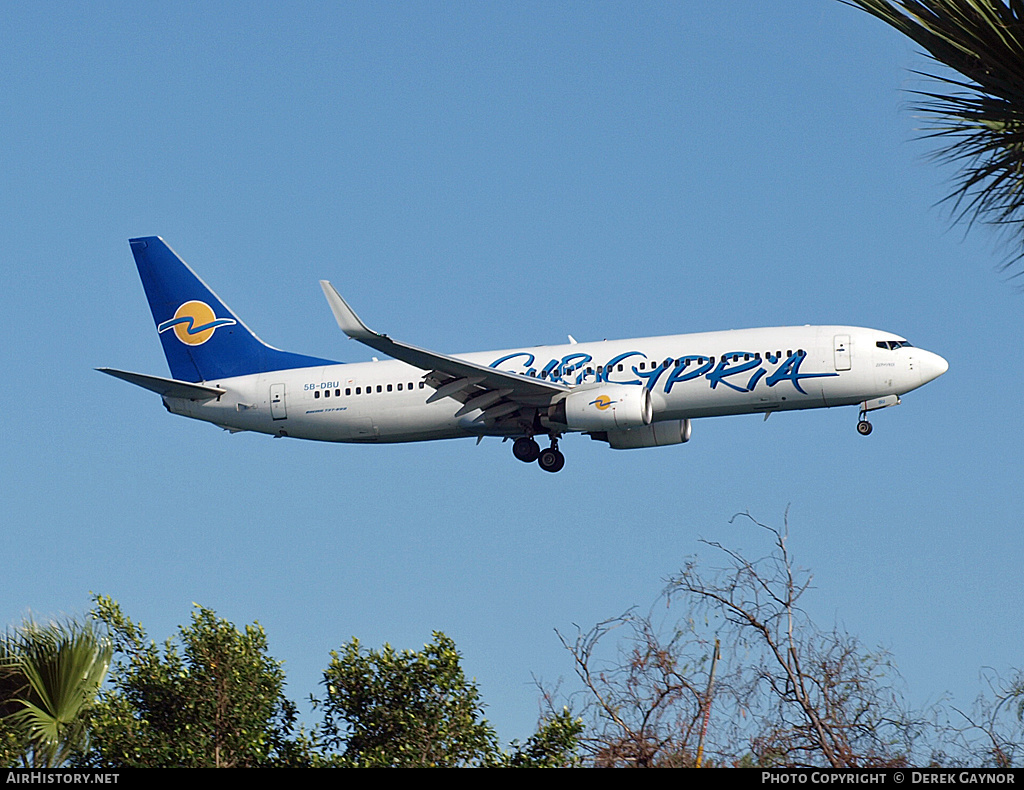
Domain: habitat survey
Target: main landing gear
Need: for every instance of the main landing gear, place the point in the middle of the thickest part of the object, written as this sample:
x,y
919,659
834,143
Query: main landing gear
x,y
526,449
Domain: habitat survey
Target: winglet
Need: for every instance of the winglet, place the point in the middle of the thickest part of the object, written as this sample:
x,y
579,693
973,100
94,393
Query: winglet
x,y
345,315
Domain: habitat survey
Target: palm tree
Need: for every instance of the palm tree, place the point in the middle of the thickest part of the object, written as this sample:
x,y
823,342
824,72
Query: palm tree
x,y
978,116
49,677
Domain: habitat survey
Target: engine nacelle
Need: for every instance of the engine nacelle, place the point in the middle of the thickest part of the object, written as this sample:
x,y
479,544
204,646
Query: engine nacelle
x,y
604,407
658,434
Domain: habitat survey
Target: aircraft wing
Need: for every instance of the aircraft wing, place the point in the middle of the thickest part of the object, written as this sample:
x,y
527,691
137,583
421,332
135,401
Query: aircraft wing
x,y
503,396
171,388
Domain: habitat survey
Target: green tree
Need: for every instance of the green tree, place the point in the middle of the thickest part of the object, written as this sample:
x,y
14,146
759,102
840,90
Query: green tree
x,y
49,677
211,698
11,746
977,112
417,709
555,745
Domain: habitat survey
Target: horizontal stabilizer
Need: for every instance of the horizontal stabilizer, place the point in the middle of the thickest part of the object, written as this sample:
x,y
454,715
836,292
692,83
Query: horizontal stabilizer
x,y
169,388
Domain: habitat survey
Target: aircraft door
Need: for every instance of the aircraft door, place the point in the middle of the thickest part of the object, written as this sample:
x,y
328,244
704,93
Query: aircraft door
x,y
842,352
278,410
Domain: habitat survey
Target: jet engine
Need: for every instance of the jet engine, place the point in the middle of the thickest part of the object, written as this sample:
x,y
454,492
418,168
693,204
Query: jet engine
x,y
604,407
657,434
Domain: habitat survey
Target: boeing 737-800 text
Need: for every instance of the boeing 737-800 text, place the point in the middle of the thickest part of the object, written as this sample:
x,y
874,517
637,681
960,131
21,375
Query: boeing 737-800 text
x,y
628,393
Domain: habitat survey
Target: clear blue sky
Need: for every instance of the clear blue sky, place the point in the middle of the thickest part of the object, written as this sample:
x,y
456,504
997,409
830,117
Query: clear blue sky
x,y
487,175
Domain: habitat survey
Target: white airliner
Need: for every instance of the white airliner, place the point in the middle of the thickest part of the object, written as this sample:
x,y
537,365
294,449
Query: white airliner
x,y
628,393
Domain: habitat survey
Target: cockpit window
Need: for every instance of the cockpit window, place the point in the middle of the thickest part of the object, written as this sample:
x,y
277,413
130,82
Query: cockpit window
x,y
891,345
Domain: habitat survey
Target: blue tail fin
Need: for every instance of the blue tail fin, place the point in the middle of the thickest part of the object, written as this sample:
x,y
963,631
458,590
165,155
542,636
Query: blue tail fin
x,y
203,340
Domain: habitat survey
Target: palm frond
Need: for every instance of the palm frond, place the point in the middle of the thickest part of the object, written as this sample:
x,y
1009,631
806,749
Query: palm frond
x,y
49,676
978,120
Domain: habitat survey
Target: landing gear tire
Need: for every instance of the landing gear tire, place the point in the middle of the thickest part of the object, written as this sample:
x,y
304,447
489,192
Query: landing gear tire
x,y
551,460
863,427
526,449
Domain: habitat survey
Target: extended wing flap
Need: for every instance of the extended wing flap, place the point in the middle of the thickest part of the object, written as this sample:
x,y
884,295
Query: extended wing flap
x,y
479,378
169,388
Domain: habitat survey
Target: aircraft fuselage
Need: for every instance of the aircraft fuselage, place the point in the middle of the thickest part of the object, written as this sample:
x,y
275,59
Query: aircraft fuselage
x,y
747,371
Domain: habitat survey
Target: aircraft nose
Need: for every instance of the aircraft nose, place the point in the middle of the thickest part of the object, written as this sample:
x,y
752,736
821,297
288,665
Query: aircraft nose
x,y
932,366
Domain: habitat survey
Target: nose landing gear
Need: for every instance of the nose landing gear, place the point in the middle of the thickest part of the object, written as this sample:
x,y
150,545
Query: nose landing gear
x,y
526,449
863,426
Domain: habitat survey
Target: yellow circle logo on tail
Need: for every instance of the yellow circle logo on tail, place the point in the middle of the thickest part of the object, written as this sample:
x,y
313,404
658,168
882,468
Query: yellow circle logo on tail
x,y
194,323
